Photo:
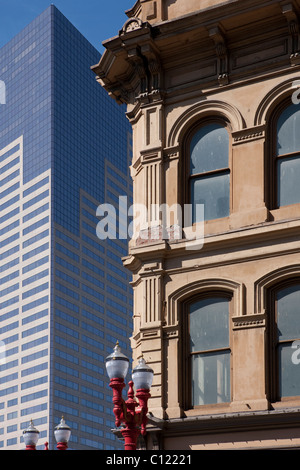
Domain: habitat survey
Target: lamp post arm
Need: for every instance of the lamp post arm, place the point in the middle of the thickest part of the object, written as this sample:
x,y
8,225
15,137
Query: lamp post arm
x,y
130,405
117,386
143,396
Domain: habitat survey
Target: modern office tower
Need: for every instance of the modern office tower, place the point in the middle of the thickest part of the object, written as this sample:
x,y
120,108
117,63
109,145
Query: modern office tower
x,y
65,298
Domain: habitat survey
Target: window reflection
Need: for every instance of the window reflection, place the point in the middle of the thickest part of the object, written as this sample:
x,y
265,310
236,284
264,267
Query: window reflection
x,y
288,331
209,172
288,156
209,351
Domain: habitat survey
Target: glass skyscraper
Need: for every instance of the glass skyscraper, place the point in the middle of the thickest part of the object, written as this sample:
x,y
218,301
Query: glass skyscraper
x,y
65,297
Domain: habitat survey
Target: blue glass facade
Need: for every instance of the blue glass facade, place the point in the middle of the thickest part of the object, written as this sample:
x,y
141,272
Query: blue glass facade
x,y
25,63
65,297
79,148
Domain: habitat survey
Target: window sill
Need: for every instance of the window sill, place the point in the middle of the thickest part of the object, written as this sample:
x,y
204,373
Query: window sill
x,y
286,402
285,213
208,409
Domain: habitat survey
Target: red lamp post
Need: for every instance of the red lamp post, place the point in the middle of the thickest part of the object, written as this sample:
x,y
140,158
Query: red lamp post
x,y
130,413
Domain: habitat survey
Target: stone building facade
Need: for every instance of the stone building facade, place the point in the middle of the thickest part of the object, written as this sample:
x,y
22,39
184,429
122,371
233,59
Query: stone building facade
x,y
211,89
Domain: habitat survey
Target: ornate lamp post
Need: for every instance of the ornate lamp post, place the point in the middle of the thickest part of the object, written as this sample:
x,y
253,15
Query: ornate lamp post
x,y
62,435
31,436
131,413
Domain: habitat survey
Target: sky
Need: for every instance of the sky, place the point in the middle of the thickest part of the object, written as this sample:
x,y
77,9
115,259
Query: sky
x,y
97,20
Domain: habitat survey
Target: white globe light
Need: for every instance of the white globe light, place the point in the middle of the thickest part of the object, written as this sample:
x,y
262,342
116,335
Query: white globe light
x,y
117,364
62,432
142,375
31,435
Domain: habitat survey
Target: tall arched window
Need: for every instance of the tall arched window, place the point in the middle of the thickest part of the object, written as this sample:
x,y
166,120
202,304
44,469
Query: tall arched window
x,y
208,354
209,174
287,157
285,342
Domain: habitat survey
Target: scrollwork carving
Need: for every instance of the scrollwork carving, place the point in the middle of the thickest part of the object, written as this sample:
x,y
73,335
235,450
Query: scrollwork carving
x,y
131,25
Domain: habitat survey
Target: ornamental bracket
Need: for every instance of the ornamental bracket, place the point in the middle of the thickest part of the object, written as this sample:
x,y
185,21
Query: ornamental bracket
x,y
292,18
222,52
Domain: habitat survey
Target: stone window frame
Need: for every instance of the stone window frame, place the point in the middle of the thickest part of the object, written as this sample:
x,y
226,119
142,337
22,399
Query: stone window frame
x,y
267,113
273,365
175,319
271,185
187,177
186,353
265,289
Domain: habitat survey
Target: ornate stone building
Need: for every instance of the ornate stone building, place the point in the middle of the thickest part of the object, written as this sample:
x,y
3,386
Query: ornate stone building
x,y
212,92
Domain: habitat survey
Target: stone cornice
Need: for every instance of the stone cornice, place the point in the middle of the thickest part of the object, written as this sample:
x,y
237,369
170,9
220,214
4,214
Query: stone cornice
x,y
253,420
260,242
133,69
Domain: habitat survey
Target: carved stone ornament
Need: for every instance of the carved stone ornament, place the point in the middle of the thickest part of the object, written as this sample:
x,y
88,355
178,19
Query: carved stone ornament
x,y
222,54
132,25
294,30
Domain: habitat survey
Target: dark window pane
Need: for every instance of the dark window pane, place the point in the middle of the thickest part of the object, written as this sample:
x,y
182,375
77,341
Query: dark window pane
x,y
211,378
289,376
288,135
288,330
213,192
209,149
288,313
209,324
288,181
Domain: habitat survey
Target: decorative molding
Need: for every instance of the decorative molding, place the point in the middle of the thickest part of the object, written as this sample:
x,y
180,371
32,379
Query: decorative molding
x,y
200,111
249,134
269,280
150,333
145,64
217,35
153,268
271,100
153,155
170,333
131,25
291,16
185,292
249,321
171,153
152,302
136,167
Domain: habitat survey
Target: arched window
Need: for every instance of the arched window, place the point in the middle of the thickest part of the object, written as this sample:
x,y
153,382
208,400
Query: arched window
x,y
287,157
208,355
285,341
209,174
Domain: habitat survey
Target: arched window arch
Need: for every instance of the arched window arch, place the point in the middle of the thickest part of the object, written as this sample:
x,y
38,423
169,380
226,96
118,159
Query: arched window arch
x,y
207,358
208,169
284,318
285,158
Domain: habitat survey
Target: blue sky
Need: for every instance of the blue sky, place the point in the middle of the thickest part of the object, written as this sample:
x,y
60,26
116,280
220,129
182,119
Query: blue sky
x,y
97,20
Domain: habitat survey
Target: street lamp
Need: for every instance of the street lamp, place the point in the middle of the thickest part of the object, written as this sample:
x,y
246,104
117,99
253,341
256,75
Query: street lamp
x,y
131,413
62,435
31,436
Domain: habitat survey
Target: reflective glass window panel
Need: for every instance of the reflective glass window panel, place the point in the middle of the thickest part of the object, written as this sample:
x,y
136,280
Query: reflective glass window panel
x,y
211,378
213,192
288,313
288,181
288,335
209,149
289,377
288,135
209,324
